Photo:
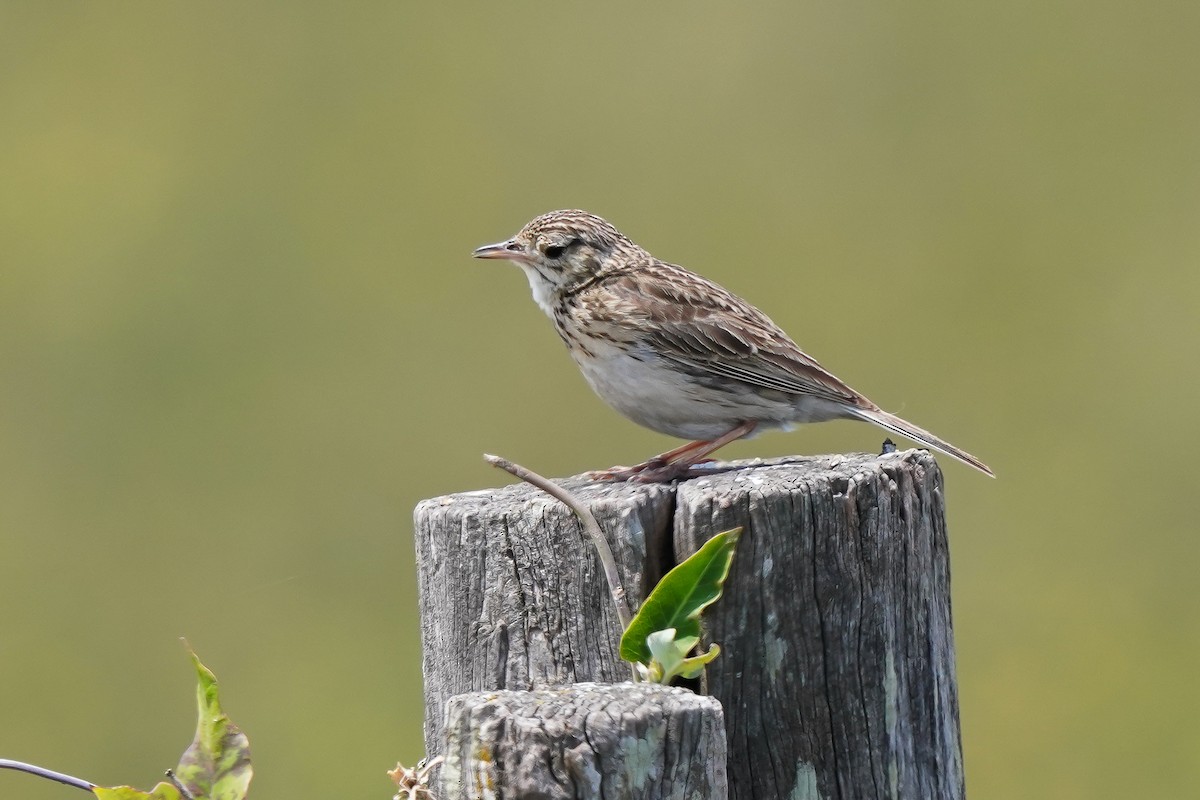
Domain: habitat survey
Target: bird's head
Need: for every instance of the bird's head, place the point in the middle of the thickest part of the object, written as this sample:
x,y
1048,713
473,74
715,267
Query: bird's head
x,y
560,250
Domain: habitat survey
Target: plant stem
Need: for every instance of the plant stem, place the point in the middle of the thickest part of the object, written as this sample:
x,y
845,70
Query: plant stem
x,y
42,772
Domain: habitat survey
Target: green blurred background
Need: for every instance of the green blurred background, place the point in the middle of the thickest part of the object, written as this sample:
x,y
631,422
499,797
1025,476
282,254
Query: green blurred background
x,y
241,336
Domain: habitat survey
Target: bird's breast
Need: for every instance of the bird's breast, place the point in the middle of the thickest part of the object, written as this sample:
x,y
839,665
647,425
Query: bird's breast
x,y
647,389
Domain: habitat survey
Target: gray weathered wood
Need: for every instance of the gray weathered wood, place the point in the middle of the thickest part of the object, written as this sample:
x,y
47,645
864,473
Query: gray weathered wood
x,y
512,595
585,742
837,670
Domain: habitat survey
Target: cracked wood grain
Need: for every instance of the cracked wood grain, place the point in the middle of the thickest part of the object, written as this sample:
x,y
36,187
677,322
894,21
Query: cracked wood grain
x,y
585,742
512,594
835,625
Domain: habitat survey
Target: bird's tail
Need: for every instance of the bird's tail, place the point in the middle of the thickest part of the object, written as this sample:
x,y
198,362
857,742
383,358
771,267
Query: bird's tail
x,y
906,429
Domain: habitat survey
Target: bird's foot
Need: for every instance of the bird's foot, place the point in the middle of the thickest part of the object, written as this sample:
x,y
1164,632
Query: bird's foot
x,y
620,474
663,474
656,470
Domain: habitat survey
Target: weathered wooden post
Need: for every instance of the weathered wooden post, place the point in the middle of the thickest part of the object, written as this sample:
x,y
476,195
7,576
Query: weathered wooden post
x,y
837,670
587,740
512,595
835,626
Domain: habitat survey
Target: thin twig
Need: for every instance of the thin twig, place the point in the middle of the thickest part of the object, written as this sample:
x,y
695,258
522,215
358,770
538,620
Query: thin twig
x,y
594,532
178,784
42,772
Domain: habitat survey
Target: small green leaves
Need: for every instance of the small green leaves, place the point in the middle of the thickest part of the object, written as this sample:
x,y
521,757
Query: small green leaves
x,y
667,626
669,657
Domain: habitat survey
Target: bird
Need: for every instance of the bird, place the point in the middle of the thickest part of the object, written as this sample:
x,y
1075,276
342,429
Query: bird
x,y
676,352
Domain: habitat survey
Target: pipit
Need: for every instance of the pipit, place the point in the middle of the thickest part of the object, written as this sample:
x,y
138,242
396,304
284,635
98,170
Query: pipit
x,y
674,351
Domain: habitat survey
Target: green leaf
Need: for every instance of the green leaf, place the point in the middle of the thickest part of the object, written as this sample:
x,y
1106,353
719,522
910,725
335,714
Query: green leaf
x,y
217,764
678,599
164,791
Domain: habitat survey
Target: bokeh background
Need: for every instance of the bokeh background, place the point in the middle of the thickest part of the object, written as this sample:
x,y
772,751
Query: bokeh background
x,y
241,336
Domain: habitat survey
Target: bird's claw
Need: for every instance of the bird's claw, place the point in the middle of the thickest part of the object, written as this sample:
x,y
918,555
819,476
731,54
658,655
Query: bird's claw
x,y
620,474
653,471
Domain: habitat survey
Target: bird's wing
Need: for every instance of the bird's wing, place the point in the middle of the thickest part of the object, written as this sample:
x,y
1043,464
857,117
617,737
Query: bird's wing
x,y
702,326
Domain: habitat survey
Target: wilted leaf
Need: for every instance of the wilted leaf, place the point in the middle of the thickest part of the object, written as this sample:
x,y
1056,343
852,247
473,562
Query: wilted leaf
x,y
678,599
164,791
217,764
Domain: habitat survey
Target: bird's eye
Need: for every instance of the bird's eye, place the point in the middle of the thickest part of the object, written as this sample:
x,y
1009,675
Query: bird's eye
x,y
556,250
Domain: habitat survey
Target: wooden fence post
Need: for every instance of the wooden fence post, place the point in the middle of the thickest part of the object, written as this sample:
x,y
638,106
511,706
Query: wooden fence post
x,y
587,741
835,627
837,671
512,595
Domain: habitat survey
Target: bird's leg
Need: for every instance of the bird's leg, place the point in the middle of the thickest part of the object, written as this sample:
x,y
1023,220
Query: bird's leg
x,y
671,456
678,467
673,463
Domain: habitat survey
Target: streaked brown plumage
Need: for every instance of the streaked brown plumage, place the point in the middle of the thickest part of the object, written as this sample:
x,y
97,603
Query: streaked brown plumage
x,y
676,352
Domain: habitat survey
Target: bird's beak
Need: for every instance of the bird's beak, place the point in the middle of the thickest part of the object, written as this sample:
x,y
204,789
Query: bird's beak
x,y
507,249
